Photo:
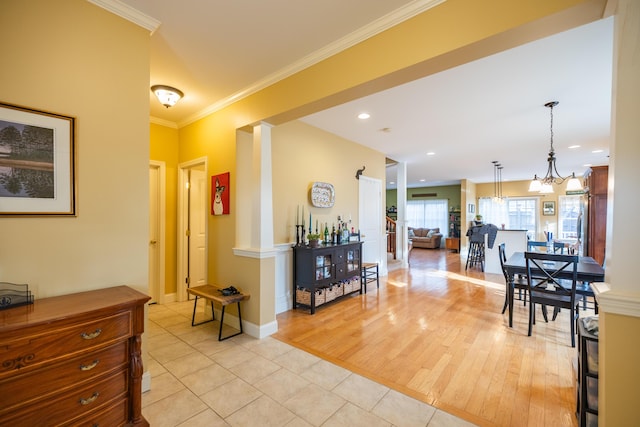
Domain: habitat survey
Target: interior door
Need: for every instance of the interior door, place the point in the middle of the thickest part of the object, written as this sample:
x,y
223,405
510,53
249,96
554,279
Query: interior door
x,y
197,227
370,219
154,233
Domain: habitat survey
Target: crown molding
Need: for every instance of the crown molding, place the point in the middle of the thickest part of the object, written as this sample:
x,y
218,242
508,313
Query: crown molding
x,y
384,23
129,13
162,122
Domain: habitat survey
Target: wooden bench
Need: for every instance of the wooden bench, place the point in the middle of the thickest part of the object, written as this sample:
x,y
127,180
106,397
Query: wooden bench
x,y
214,294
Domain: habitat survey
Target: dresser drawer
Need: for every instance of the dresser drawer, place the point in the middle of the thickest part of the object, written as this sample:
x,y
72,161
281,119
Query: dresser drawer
x,y
111,416
34,350
75,405
24,389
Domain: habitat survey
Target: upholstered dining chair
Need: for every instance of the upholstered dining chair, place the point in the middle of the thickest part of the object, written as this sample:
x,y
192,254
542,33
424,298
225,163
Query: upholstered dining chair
x,y
547,288
516,282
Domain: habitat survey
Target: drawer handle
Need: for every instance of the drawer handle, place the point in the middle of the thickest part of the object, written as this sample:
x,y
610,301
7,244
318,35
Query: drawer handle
x,y
91,335
89,366
90,399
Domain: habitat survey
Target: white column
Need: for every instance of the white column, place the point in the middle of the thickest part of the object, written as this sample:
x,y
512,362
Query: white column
x,y
401,222
262,185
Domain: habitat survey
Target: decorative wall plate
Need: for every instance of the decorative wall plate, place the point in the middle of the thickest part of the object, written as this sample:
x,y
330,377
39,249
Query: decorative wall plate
x,y
322,195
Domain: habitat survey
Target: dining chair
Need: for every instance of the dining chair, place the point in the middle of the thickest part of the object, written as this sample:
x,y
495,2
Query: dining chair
x,y
534,246
516,282
558,247
547,288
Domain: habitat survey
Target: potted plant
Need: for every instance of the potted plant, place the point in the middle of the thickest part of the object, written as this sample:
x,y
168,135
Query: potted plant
x,y
478,219
314,240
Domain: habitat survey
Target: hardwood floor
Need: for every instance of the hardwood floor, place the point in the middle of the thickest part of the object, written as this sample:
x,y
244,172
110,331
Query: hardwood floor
x,y
435,332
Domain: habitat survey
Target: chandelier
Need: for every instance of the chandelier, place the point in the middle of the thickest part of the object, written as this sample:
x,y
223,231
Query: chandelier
x,y
545,185
497,182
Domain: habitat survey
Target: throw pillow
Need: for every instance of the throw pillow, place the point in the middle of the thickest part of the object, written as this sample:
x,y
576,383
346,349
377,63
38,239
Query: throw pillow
x,y
430,234
411,233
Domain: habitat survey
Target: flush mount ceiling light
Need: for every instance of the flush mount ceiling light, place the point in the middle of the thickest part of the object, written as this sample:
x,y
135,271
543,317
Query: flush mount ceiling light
x,y
167,95
545,185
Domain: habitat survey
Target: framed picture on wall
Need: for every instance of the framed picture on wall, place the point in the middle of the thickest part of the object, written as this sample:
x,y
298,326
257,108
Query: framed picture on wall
x,y
220,194
548,208
471,208
37,162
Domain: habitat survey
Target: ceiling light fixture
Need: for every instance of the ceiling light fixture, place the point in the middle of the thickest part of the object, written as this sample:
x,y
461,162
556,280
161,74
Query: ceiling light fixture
x,y
167,95
364,116
545,185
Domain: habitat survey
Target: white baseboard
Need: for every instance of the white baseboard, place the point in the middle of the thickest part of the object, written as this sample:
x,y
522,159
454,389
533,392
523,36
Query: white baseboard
x,y
146,381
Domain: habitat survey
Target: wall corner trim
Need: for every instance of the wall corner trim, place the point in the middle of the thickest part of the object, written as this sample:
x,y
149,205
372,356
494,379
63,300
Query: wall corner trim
x,y
610,301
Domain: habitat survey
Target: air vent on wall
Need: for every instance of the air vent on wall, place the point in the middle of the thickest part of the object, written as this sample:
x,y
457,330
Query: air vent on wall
x,y
424,195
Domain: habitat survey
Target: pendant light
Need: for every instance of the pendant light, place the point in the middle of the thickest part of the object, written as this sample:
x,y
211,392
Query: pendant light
x,y
545,185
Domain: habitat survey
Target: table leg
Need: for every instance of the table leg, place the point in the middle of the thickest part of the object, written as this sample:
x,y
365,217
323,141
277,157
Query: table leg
x,y
511,296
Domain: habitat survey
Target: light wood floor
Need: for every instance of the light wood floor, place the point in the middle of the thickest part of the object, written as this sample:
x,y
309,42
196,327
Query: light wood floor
x,y
435,332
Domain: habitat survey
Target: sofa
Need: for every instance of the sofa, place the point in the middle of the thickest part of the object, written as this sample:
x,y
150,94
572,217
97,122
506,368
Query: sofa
x,y
429,238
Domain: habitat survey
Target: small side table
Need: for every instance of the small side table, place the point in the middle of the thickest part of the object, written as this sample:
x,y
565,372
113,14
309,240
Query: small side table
x,y
214,294
452,243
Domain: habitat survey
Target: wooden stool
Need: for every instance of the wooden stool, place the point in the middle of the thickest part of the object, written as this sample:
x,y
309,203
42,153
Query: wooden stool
x,y
369,273
214,294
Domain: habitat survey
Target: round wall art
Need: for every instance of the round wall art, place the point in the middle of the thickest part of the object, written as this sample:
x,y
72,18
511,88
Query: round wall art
x,y
322,195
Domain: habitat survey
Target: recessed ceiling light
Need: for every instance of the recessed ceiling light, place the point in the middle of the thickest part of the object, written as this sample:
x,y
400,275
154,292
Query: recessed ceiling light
x,y
364,116
422,180
597,151
431,153
392,182
574,146
587,165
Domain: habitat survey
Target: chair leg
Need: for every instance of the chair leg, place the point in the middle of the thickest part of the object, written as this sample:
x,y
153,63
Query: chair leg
x,y
532,317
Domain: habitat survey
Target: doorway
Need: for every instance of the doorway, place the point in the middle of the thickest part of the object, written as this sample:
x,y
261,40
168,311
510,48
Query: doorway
x,y
192,226
157,222
370,220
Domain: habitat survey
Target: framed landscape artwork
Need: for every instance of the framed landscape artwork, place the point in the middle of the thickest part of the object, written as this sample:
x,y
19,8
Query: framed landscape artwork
x,y
548,208
37,162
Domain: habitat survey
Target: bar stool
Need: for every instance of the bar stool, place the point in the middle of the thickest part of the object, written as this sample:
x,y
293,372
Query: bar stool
x,y
476,253
369,273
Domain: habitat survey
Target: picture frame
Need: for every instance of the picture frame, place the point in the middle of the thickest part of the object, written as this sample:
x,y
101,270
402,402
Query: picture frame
x,y
37,162
548,208
471,208
220,194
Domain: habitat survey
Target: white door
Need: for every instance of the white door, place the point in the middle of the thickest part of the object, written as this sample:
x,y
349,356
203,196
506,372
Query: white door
x,y
197,227
154,233
370,220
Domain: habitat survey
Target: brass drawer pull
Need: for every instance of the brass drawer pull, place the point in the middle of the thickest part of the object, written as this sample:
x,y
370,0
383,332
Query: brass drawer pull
x,y
89,366
91,335
90,399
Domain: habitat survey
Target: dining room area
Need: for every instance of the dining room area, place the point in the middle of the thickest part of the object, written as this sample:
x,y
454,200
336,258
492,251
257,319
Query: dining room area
x,y
441,334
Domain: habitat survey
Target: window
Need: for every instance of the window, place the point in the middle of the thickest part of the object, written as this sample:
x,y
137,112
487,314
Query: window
x,y
569,208
516,213
428,214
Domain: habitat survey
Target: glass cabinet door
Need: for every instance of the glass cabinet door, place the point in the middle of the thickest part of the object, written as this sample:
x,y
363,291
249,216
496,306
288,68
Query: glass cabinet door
x,y
323,267
353,260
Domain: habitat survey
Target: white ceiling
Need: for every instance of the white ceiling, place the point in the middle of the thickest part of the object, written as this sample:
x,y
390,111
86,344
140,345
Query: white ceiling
x,y
490,109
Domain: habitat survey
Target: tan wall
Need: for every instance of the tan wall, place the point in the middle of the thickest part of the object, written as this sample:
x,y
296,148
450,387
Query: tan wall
x,y
164,148
521,189
67,57
303,154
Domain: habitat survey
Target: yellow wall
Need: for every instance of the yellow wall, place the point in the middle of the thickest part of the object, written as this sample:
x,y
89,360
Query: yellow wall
x,y
67,57
303,154
164,148
521,189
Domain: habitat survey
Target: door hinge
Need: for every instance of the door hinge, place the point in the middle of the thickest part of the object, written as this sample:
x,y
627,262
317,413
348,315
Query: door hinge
x,y
188,233
187,280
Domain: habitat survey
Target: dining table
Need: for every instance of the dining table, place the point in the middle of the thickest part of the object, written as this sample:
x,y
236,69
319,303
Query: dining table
x,y
588,271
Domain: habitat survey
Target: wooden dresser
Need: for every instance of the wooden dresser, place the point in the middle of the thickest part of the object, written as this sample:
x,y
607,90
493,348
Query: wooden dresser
x,y
73,360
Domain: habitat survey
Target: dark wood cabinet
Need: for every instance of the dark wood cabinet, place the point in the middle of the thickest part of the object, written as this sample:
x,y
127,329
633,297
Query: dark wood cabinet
x,y
73,360
325,273
597,183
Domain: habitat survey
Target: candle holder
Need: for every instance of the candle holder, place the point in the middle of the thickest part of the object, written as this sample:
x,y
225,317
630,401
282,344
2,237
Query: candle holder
x,y
298,227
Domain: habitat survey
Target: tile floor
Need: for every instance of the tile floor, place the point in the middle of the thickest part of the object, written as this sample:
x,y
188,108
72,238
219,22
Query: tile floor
x,y
198,381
